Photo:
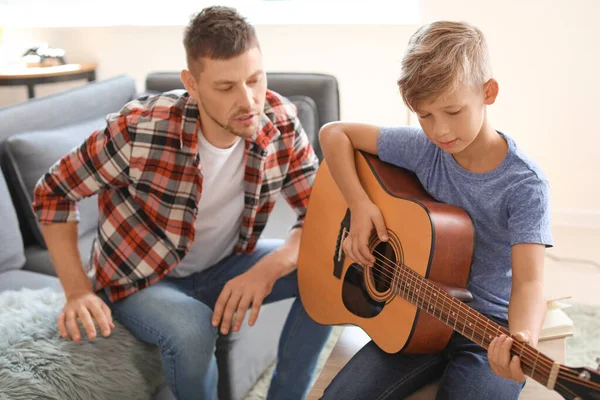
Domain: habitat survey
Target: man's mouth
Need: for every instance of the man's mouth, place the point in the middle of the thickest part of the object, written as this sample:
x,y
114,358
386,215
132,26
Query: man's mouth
x,y
244,117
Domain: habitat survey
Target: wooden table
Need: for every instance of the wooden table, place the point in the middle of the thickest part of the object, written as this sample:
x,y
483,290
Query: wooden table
x,y
19,75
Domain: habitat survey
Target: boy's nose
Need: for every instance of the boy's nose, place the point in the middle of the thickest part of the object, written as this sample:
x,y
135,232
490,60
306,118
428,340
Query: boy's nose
x,y
440,130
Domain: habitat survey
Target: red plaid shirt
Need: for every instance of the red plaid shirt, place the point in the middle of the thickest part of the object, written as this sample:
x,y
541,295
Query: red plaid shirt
x,y
146,170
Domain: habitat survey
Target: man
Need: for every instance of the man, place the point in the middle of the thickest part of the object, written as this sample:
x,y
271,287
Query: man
x,y
186,182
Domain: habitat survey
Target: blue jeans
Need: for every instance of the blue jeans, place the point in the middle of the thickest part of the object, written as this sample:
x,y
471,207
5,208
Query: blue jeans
x,y
463,367
175,314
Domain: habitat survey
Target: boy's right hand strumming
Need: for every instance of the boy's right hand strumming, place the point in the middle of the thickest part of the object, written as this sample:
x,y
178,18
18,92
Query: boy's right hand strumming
x,y
364,216
84,307
339,140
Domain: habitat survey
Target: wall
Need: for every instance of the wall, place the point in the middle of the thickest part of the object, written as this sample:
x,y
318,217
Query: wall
x,y
544,55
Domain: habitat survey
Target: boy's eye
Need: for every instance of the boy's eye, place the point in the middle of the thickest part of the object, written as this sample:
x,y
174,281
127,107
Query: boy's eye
x,y
455,112
424,116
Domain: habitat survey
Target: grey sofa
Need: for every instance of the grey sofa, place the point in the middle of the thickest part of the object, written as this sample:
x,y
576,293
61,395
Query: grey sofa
x,y
35,134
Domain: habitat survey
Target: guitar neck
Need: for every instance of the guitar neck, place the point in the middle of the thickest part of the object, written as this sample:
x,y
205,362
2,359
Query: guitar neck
x,y
471,324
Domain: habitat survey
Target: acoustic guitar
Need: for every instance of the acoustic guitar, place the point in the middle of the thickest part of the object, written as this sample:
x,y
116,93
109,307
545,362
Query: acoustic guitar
x,y
414,295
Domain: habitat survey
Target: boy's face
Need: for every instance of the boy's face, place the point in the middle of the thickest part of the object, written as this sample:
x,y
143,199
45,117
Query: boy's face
x,y
453,120
231,93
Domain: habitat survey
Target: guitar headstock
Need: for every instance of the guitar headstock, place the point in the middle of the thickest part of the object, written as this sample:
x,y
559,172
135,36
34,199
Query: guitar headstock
x,y
578,383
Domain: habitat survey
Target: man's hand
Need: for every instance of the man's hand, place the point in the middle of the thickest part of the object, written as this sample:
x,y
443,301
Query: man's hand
x,y
500,360
250,288
84,307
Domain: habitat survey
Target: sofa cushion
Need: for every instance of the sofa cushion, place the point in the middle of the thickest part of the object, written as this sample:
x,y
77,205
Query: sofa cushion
x,y
29,156
11,256
37,259
20,279
244,355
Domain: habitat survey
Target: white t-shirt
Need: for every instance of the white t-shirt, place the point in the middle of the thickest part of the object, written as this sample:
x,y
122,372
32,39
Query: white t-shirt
x,y
220,207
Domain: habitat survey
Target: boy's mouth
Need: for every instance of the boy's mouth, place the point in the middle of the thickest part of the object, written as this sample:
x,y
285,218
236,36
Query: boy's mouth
x,y
448,144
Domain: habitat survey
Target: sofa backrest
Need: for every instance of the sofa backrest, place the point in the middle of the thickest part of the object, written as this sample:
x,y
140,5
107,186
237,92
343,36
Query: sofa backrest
x,y
38,133
315,95
72,106
12,255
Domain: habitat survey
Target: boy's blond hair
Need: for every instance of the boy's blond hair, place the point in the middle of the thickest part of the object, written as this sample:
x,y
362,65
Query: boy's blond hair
x,y
441,56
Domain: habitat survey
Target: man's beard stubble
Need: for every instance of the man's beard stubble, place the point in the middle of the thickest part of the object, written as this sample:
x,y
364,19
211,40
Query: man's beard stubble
x,y
229,126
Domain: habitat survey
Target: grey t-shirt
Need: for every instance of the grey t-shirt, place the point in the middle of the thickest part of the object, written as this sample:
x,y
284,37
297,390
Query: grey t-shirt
x,y
508,205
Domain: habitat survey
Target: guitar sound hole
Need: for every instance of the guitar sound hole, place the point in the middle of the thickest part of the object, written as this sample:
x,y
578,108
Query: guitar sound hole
x,y
384,266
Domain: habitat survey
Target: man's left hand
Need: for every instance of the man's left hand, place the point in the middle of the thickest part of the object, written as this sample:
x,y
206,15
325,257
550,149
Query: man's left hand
x,y
500,360
245,290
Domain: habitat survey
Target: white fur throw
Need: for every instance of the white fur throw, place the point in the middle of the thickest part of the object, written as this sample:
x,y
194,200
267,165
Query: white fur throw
x,y
36,363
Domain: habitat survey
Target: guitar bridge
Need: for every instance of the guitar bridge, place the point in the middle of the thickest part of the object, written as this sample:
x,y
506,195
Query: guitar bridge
x,y
339,248
339,256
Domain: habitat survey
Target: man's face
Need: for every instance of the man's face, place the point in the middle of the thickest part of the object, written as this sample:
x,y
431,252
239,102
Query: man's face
x,y
453,120
231,93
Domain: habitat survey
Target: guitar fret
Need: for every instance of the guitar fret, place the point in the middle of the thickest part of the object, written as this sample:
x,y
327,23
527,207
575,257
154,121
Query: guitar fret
x,y
483,336
431,307
455,319
421,289
522,348
473,334
443,303
435,307
537,355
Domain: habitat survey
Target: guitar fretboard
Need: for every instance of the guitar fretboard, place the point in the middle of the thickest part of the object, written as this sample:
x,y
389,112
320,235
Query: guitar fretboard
x,y
463,319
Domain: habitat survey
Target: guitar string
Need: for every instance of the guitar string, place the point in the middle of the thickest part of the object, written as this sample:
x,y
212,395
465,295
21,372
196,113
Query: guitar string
x,y
460,306
530,351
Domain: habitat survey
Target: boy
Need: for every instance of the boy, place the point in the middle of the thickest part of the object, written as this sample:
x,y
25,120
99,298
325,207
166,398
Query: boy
x,y
186,181
461,160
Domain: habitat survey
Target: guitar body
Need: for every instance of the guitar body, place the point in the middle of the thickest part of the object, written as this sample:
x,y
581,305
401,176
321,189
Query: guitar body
x,y
409,300
435,240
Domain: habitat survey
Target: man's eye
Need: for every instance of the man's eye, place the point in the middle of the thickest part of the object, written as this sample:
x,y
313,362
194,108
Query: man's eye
x,y
424,116
224,89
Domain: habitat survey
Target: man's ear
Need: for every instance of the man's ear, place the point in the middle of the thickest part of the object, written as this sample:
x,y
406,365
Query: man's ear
x,y
490,90
189,82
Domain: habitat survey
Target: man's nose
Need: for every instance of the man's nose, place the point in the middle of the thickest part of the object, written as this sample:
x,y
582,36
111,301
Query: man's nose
x,y
246,100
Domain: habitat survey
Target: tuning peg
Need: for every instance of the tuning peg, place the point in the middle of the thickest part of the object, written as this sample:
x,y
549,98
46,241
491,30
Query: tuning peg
x,y
598,361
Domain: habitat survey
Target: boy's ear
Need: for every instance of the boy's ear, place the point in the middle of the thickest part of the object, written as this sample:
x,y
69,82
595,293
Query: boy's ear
x,y
490,90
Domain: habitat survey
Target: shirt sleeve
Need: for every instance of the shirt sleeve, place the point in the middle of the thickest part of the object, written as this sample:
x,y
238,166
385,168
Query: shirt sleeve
x,y
529,213
101,161
301,174
403,146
